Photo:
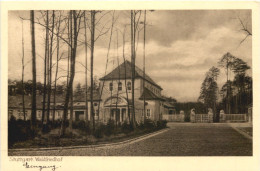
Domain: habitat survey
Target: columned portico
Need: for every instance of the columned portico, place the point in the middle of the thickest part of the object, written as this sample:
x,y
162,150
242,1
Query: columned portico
x,y
116,108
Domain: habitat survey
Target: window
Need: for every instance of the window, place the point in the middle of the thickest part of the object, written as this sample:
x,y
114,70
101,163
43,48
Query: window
x,y
96,113
20,114
111,86
119,86
39,114
129,85
148,113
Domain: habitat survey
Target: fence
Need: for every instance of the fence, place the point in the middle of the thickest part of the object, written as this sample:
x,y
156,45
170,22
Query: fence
x,y
174,117
201,118
233,118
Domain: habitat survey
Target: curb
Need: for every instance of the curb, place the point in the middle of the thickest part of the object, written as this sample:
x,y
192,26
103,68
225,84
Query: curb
x,y
242,133
91,146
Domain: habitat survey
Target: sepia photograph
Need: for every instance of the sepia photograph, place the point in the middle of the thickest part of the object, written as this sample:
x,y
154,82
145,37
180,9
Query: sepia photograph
x,y
130,82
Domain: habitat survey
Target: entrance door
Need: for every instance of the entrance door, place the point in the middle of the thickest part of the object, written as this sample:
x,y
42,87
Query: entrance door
x,y
123,115
118,115
115,114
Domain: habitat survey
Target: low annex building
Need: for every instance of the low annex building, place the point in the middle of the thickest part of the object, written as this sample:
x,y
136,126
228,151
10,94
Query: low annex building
x,y
15,107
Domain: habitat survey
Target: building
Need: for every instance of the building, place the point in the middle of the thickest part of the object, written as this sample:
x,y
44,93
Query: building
x,y
113,99
117,95
15,107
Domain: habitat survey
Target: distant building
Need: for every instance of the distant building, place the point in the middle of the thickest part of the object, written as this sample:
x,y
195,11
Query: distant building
x,y
15,107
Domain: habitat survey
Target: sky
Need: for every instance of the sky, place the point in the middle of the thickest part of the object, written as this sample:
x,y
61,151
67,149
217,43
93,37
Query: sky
x,y
181,46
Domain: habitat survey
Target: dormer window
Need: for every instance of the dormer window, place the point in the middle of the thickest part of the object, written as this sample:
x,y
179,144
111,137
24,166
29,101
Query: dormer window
x,y
128,85
111,86
119,86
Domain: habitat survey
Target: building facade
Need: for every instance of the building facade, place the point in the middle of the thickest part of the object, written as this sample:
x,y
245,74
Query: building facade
x,y
116,95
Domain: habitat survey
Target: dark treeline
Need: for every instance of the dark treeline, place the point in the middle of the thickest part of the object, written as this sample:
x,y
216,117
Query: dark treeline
x,y
15,87
235,96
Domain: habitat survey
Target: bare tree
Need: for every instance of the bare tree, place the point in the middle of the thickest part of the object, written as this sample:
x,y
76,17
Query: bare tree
x,y
45,64
71,61
50,68
76,20
86,69
108,50
144,63
93,13
118,78
33,115
126,87
24,115
133,64
245,28
57,67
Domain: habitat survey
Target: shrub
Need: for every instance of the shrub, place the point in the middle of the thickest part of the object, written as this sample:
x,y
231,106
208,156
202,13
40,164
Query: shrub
x,y
110,127
81,125
126,127
19,130
46,128
161,124
149,124
100,130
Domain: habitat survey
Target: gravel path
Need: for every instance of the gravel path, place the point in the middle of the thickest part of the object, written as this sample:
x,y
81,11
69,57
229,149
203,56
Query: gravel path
x,y
183,139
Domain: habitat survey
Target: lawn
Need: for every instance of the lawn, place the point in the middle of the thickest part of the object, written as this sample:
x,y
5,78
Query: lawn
x,y
80,136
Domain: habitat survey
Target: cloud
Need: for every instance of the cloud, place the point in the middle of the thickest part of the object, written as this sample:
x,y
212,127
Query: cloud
x,y
181,46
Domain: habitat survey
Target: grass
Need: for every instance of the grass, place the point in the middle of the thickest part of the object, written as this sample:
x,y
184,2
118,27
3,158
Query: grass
x,y
76,138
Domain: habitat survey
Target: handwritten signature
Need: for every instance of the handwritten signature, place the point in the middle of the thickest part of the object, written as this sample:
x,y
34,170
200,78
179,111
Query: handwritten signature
x,y
53,167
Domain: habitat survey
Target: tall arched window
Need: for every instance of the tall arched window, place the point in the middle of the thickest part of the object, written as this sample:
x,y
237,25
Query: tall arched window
x,y
111,86
119,86
128,85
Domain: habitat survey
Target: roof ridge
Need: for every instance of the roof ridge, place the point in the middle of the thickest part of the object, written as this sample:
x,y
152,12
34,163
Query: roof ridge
x,y
138,73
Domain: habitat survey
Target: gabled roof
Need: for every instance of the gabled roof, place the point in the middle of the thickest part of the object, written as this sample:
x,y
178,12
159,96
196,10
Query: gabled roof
x,y
81,97
16,101
168,105
123,71
149,95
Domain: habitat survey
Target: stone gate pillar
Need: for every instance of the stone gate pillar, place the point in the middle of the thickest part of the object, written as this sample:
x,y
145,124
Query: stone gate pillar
x,y
192,115
222,116
210,115
182,116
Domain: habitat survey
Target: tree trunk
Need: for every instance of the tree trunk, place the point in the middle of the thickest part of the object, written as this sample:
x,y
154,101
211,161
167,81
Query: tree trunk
x,y
86,68
57,70
72,69
50,70
118,81
109,44
33,114
24,115
45,64
126,88
133,65
144,64
91,67
71,61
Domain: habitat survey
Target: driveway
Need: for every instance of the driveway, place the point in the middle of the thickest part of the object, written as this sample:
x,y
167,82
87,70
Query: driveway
x,y
182,139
